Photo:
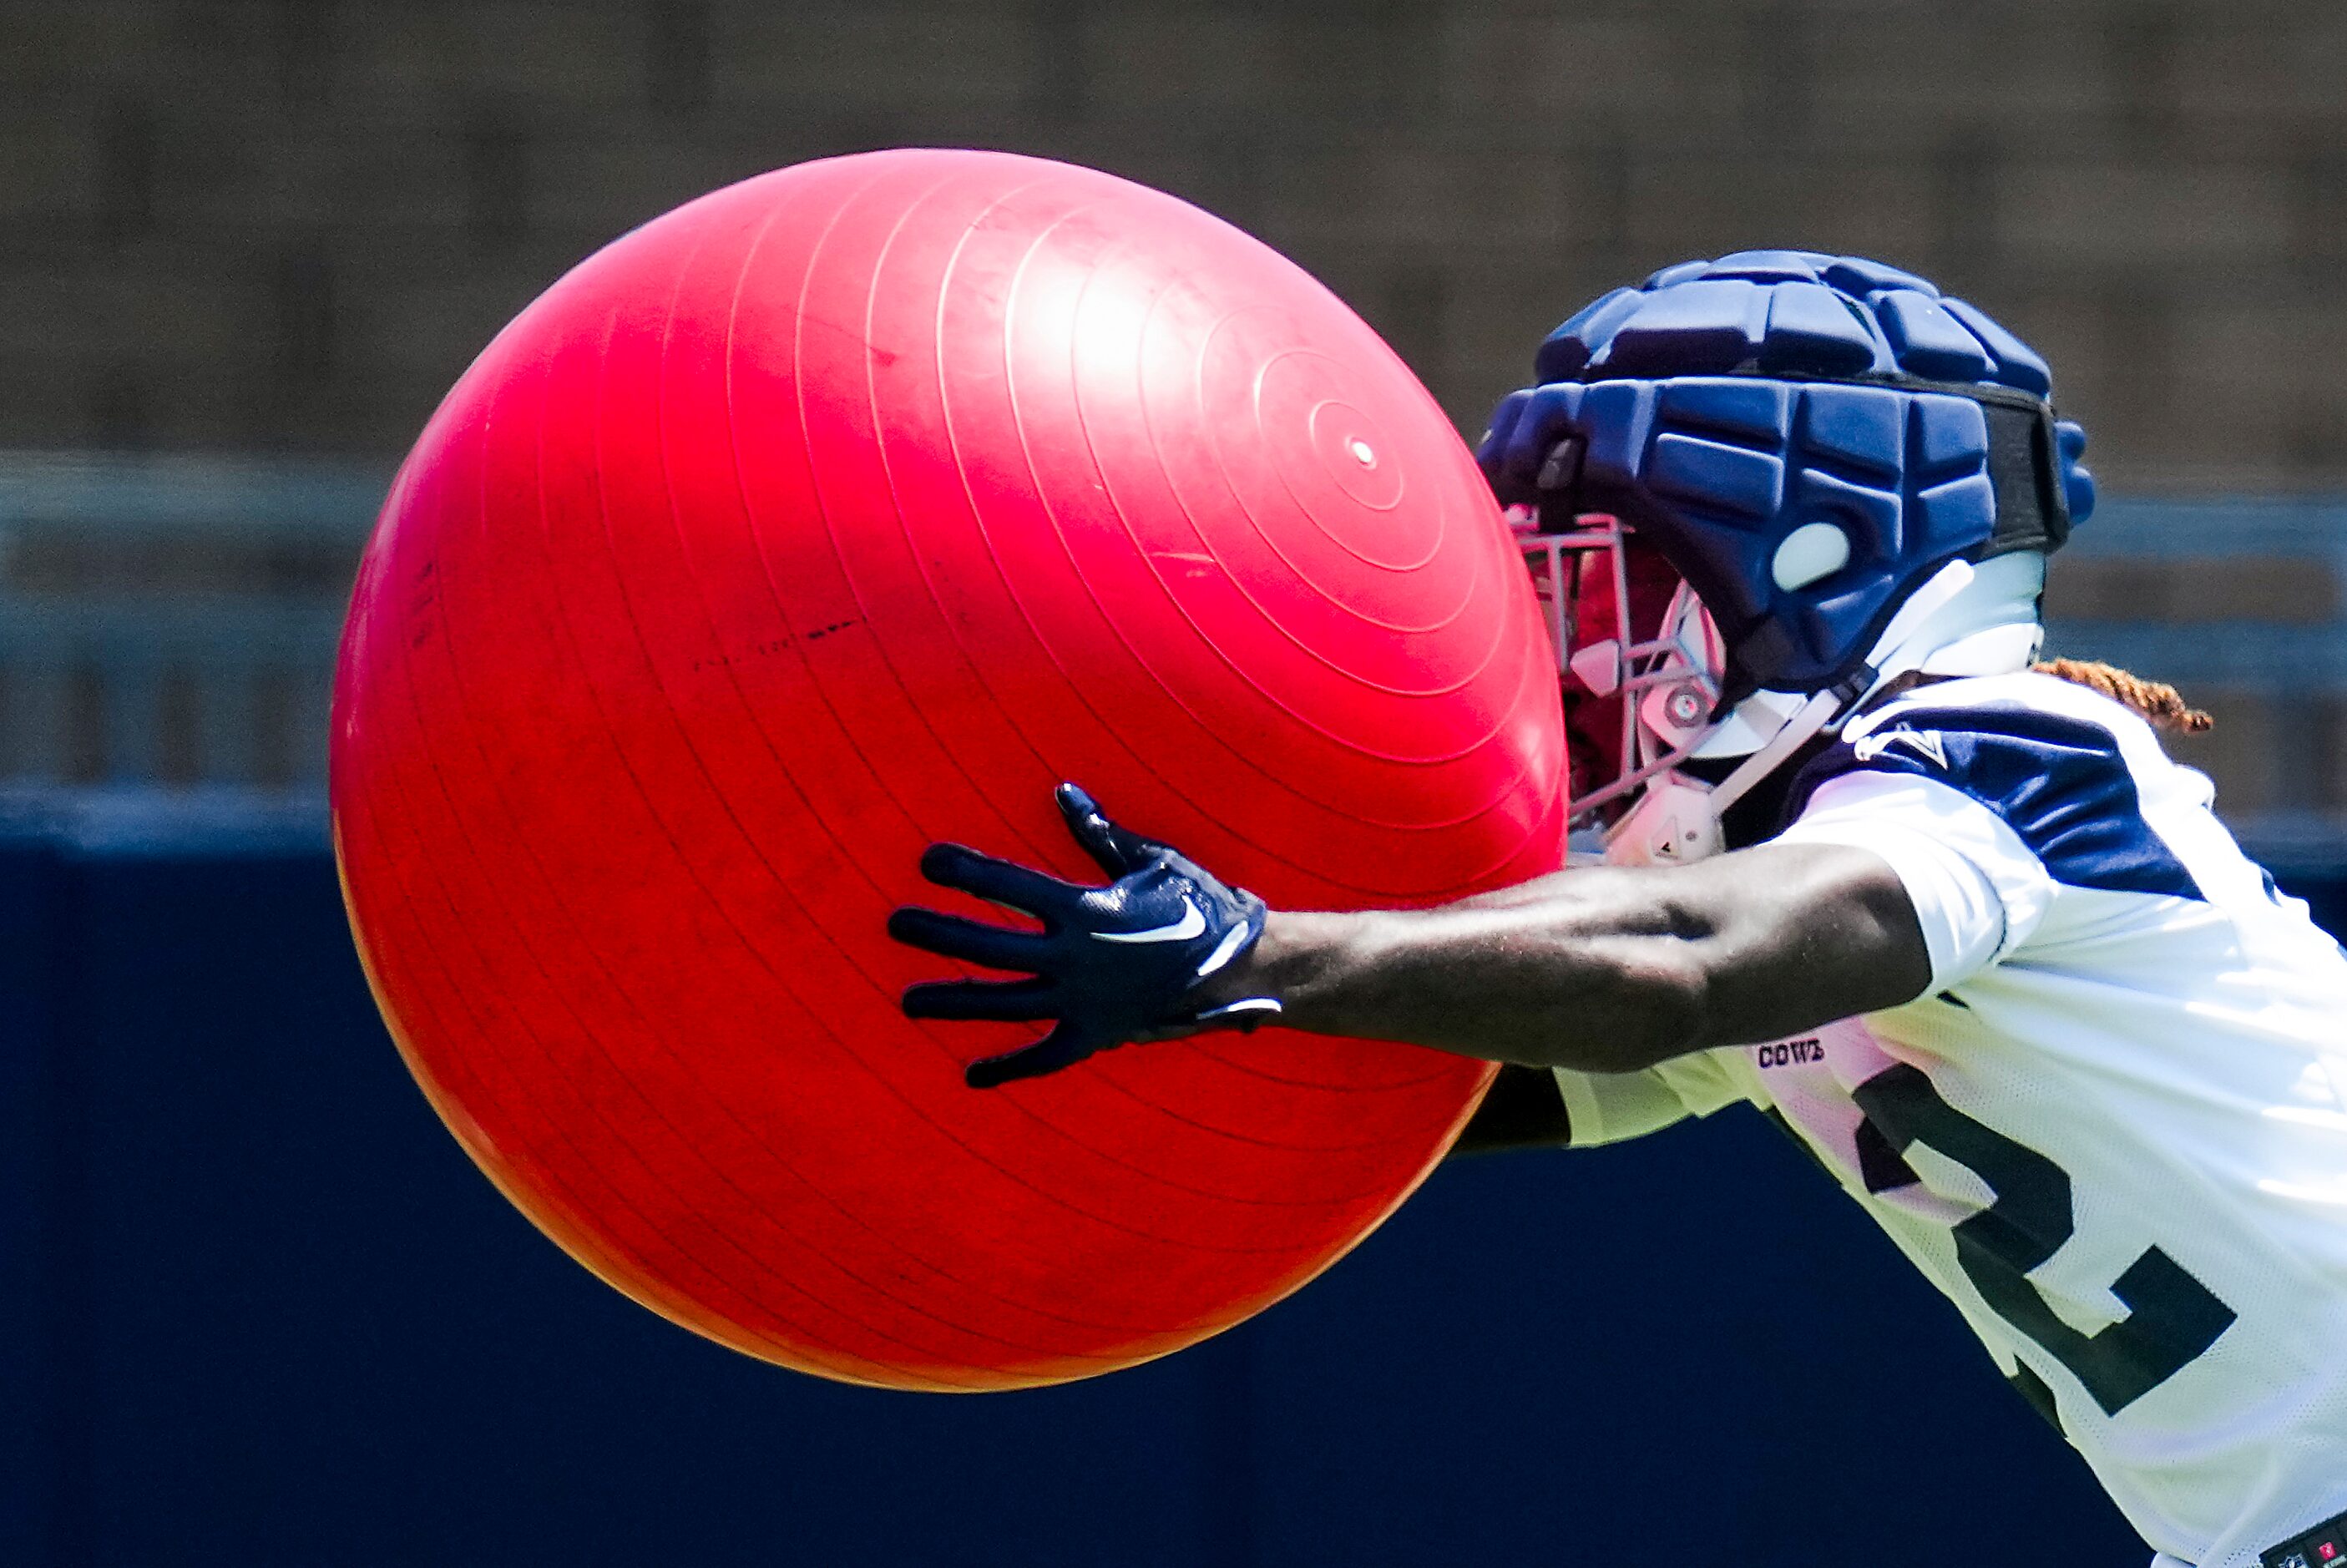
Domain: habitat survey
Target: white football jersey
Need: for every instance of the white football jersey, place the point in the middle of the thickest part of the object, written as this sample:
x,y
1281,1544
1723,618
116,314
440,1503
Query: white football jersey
x,y
2114,1130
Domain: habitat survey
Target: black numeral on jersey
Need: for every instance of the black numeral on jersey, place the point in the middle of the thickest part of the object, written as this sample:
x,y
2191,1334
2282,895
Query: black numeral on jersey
x,y
2171,1318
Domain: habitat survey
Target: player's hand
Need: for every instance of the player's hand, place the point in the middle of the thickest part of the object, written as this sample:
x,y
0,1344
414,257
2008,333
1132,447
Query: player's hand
x,y
1532,451
1111,965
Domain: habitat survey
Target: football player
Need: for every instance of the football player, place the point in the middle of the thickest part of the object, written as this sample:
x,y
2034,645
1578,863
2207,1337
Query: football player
x,y
1954,917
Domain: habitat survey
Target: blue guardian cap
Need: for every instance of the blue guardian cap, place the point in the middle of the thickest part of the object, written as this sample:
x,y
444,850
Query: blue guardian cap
x,y
1806,439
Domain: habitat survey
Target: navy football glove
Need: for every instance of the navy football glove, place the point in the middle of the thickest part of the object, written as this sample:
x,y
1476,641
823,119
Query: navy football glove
x,y
1123,962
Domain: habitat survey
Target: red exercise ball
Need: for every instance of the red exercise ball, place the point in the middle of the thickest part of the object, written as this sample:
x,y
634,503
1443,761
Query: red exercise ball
x,y
854,506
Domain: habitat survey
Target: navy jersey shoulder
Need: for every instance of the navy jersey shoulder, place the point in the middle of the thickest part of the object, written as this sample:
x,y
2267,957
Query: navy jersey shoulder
x,y
2060,782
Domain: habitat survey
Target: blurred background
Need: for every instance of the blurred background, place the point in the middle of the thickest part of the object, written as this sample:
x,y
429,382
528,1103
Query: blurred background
x,y
255,1307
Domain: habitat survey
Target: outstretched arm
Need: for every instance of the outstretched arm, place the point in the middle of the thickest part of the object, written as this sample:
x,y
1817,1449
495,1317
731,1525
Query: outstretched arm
x,y
1606,969
1601,970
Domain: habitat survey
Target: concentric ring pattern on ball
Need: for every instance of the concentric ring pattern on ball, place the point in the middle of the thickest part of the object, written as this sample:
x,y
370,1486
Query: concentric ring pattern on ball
x,y
851,507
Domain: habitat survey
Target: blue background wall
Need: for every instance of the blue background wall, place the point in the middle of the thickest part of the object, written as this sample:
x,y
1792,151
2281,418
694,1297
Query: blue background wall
x,y
256,1307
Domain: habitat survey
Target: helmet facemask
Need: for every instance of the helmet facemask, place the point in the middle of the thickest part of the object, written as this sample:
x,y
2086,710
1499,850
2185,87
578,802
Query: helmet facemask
x,y
1639,659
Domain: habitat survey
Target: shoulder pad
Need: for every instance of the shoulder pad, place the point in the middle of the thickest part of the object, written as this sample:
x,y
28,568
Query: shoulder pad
x,y
2059,781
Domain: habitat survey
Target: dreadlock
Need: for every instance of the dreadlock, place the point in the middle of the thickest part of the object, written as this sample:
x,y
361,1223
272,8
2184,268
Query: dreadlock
x,y
2158,701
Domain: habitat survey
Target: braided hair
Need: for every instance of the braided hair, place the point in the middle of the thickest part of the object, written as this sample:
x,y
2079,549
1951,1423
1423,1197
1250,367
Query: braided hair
x,y
2159,703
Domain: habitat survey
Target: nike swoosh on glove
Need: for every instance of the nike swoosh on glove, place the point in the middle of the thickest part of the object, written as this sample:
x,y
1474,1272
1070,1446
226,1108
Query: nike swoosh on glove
x,y
1111,965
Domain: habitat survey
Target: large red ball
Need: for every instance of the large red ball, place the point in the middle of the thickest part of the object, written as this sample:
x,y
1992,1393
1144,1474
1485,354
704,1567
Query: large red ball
x,y
850,508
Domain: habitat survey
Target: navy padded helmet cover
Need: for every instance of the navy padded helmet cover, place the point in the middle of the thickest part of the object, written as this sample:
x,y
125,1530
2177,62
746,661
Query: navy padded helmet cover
x,y
1723,404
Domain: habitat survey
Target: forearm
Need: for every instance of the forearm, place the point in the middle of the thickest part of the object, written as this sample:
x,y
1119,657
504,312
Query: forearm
x,y
1590,971
1606,970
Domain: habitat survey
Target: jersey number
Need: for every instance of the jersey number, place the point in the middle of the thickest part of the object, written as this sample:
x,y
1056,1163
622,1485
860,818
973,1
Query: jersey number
x,y
2171,1318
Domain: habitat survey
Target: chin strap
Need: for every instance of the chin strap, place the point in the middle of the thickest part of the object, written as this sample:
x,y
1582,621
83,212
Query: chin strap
x,y
1892,657
1677,819
1812,716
